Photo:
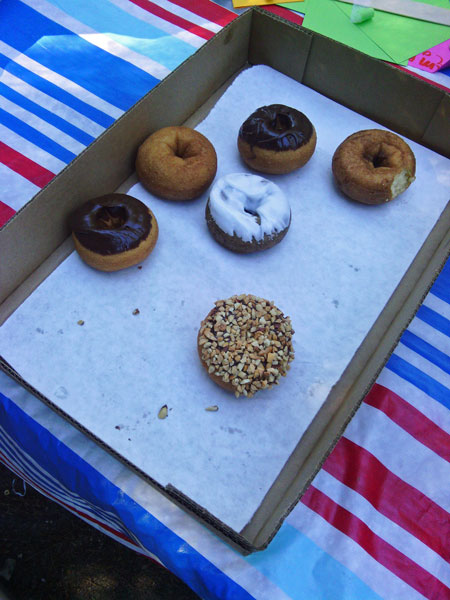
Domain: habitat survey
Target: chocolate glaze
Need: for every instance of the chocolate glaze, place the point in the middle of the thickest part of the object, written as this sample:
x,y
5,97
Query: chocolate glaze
x,y
111,224
276,127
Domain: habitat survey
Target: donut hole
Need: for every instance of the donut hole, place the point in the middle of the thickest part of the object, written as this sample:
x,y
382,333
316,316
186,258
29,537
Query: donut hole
x,y
253,213
383,155
281,122
379,160
183,149
111,217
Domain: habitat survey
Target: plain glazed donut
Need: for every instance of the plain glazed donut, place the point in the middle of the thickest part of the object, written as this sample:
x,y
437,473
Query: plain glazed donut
x,y
176,163
373,166
245,213
245,344
113,232
276,139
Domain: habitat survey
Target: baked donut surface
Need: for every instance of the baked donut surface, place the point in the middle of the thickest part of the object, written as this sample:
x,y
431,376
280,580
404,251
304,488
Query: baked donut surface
x,y
245,344
176,163
113,232
373,166
247,212
276,139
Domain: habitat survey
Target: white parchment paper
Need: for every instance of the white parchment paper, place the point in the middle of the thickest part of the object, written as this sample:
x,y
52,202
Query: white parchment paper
x,y
332,273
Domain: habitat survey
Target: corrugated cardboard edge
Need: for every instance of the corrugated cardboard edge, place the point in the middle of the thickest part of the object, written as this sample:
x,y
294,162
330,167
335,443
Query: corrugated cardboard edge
x,y
401,308
232,537
86,177
58,245
426,125
373,353
255,27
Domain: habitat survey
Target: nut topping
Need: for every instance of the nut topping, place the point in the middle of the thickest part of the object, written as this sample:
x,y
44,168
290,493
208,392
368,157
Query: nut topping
x,y
246,341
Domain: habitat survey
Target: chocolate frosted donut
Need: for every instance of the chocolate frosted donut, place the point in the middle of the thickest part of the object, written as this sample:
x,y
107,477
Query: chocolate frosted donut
x,y
276,139
113,232
373,166
247,212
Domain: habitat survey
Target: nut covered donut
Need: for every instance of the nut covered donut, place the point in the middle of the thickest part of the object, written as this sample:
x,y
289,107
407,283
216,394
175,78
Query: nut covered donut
x,y
246,212
245,344
113,232
276,139
176,163
373,166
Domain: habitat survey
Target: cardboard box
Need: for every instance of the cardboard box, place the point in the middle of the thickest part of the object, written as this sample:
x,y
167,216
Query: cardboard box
x,y
37,239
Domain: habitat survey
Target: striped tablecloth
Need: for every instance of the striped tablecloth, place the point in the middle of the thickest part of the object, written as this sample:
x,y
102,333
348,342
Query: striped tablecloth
x,y
375,521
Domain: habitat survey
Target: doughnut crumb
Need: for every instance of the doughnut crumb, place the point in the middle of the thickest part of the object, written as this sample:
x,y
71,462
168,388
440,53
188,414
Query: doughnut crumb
x,y
246,342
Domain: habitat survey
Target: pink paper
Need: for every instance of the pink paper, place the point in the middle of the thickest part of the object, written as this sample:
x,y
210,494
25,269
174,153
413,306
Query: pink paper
x,y
432,60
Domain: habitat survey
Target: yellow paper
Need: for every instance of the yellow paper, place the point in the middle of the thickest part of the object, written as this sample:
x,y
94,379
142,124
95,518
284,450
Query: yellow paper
x,y
245,3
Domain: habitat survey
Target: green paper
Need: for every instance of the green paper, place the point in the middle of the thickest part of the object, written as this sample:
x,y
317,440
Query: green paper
x,y
386,36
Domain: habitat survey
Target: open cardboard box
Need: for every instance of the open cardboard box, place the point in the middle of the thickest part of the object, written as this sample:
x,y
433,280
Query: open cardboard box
x,y
37,240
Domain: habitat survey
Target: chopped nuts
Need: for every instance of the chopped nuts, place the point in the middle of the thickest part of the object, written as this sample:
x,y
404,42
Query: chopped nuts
x,y
163,412
247,341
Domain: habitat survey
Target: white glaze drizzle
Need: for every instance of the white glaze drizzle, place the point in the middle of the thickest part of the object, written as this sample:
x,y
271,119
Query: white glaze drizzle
x,y
235,193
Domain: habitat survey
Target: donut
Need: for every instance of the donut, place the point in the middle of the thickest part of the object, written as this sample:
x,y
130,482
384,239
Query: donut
x,y
245,344
113,232
246,212
373,166
276,139
176,163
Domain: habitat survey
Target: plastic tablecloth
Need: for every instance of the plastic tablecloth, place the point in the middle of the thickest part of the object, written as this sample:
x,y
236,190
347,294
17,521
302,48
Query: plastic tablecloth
x,y
374,523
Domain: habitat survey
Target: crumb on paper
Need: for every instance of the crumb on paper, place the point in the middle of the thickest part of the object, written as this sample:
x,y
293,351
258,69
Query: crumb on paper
x,y
80,322
163,412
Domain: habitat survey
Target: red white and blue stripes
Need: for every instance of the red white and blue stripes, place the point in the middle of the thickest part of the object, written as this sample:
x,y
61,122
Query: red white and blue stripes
x,y
50,466
70,68
375,521
386,484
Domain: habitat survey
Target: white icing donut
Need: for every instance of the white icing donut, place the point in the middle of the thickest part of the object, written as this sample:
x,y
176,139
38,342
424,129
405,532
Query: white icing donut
x,y
249,206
